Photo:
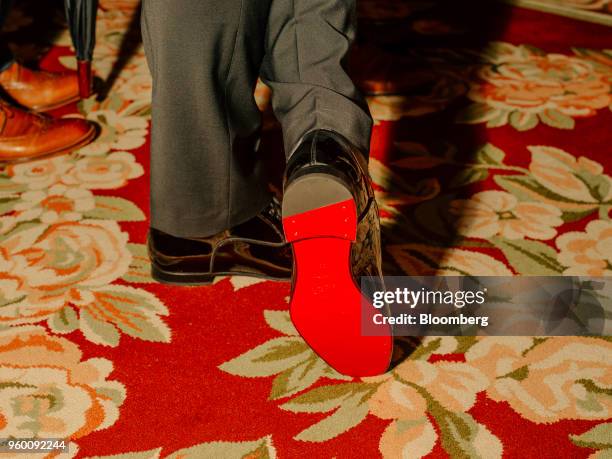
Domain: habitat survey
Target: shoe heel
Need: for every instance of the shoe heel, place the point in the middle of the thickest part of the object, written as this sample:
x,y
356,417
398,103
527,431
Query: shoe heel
x,y
319,205
320,221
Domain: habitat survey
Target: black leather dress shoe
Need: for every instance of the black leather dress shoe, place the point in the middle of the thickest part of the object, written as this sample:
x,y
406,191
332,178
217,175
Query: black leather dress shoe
x,y
331,219
256,248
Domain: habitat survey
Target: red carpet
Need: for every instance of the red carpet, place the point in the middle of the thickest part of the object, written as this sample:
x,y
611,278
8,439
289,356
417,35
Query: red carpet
x,y
491,156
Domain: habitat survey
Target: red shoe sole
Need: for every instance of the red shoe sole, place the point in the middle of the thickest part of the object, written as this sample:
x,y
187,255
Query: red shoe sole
x,y
326,304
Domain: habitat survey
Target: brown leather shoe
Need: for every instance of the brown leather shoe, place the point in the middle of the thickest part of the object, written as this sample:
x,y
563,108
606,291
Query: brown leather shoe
x,y
331,219
256,248
26,135
38,90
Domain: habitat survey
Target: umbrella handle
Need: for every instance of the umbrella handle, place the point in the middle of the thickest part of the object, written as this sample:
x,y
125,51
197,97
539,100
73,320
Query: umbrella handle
x,y
85,79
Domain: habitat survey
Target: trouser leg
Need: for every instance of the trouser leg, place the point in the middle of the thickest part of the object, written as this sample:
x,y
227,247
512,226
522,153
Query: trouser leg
x,y
204,56
307,45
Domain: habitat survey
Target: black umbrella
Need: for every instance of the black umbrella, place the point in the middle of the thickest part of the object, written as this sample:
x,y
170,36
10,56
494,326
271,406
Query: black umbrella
x,y
81,15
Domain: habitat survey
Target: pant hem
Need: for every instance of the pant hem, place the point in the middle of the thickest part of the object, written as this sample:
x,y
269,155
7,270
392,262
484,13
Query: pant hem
x,y
206,226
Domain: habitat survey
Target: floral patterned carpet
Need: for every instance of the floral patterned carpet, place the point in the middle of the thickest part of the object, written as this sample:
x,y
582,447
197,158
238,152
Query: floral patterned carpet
x,y
598,11
491,156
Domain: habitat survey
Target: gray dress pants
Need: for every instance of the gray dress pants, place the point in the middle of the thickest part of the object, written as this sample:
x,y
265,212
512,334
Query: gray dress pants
x,y
205,57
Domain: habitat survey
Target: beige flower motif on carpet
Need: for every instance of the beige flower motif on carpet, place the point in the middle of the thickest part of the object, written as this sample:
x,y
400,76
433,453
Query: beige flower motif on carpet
x,y
138,87
105,55
523,86
9,222
497,356
425,260
50,262
9,288
580,179
561,378
414,388
491,213
453,384
104,172
587,253
49,392
105,58
565,83
58,203
113,20
119,131
40,173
